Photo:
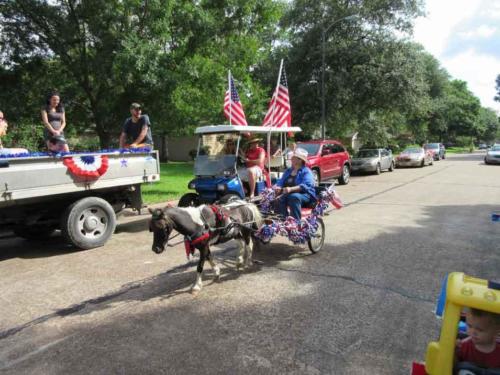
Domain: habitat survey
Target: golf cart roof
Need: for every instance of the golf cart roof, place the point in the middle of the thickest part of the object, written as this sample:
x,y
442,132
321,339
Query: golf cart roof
x,y
244,129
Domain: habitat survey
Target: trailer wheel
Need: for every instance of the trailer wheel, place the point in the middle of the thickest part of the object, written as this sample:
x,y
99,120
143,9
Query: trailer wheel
x,y
34,232
88,223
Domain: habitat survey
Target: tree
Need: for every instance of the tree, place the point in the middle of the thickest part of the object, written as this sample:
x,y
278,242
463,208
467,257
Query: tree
x,y
171,55
489,125
369,72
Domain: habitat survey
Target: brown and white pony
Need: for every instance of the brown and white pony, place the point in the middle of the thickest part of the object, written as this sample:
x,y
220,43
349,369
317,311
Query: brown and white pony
x,y
207,225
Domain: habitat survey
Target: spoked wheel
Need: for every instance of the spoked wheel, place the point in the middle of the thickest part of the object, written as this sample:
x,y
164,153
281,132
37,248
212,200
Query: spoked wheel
x,y
316,177
316,243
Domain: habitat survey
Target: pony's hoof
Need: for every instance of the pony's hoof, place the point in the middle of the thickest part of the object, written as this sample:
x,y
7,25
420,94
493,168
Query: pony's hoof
x,y
217,278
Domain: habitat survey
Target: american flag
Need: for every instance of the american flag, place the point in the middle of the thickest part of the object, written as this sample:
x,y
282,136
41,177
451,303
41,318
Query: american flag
x,y
279,113
233,109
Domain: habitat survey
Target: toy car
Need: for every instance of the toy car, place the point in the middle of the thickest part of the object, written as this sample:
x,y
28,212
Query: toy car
x,y
459,291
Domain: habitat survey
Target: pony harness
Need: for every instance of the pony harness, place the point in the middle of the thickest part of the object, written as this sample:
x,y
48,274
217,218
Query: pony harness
x,y
222,225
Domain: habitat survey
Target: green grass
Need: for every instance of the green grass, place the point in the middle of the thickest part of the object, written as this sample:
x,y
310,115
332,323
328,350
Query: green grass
x,y
457,150
174,177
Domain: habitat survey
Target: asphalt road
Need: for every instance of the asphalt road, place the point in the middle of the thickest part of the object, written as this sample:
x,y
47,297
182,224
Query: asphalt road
x,y
364,305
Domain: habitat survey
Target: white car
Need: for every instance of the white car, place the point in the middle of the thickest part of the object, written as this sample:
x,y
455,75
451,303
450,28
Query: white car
x,y
415,157
493,155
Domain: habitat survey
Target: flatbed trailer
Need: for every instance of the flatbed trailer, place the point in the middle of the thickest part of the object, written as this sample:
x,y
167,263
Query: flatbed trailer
x,y
41,194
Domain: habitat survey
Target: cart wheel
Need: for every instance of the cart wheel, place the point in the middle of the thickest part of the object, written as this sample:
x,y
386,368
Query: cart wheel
x,y
88,223
316,243
189,200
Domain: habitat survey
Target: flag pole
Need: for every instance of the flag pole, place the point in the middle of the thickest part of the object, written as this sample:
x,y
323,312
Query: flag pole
x,y
230,97
275,96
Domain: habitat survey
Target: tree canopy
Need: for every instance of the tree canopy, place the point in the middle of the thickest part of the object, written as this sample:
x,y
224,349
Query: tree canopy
x,y
173,57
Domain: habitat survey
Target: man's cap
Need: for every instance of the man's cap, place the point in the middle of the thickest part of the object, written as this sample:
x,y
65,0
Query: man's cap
x,y
135,106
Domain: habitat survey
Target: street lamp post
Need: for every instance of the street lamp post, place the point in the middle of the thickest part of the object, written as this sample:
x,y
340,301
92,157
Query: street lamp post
x,y
323,48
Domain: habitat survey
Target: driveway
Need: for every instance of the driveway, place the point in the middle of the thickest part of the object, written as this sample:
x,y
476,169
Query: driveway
x,y
364,305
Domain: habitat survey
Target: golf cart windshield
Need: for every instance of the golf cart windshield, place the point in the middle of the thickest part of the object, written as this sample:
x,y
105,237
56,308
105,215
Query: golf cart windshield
x,y
216,155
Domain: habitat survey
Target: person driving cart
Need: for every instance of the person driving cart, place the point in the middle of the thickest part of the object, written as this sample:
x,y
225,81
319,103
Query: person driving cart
x,y
254,158
296,186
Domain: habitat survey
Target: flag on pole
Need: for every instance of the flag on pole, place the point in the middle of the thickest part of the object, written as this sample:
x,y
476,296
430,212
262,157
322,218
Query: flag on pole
x,y
233,110
279,113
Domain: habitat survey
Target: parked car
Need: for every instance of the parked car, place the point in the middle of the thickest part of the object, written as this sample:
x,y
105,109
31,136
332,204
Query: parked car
x,y
493,155
328,159
415,157
373,160
438,150
482,146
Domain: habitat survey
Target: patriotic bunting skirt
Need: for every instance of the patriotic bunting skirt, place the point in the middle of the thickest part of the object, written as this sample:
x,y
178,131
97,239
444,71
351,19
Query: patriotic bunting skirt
x,y
88,166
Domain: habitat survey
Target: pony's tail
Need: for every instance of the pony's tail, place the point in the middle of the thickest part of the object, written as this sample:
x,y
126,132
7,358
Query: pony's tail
x,y
256,216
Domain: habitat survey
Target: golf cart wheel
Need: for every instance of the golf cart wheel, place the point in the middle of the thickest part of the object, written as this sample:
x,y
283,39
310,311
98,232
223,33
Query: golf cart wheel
x,y
88,223
189,200
316,243
34,232
228,198
346,174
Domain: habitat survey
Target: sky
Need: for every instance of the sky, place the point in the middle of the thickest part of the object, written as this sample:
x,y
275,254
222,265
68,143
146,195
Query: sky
x,y
464,35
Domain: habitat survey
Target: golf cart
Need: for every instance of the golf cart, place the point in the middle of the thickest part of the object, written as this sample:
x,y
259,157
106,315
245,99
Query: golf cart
x,y
216,166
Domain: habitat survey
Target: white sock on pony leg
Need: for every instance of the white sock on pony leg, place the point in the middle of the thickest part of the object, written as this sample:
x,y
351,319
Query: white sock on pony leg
x,y
198,283
241,253
215,267
249,254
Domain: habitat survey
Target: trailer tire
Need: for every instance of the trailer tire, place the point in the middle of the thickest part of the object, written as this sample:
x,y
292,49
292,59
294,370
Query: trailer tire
x,y
88,223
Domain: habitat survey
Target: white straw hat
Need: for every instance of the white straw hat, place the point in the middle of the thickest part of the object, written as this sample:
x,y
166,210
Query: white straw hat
x,y
301,154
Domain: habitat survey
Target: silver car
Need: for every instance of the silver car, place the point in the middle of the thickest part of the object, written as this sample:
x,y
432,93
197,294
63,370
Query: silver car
x,y
415,157
493,155
373,160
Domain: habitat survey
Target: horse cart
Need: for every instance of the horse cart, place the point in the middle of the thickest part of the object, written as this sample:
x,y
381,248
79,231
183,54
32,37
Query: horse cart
x,y
79,193
218,211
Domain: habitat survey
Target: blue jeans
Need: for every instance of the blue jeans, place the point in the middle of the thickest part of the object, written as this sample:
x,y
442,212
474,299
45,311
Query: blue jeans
x,y
295,201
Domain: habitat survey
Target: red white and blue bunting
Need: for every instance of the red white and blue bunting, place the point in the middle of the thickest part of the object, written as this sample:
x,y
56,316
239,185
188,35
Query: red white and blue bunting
x,y
87,166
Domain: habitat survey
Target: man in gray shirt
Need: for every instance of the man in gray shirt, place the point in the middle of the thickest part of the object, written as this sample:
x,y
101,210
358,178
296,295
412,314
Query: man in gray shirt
x,y
136,131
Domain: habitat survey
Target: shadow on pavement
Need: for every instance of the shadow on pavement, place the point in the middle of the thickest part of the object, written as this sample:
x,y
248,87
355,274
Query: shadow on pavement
x,y
360,307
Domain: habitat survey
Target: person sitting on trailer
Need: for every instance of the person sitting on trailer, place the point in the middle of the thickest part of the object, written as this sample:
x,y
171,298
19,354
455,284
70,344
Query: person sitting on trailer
x,y
136,131
3,131
296,186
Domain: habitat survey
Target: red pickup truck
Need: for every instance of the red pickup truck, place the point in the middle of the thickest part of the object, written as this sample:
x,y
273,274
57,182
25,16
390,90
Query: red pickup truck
x,y
328,159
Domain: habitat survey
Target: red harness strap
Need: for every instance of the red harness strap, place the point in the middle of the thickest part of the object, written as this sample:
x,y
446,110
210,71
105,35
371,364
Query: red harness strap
x,y
190,244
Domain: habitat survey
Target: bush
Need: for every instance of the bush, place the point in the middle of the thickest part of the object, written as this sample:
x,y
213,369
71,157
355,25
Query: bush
x,y
25,135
